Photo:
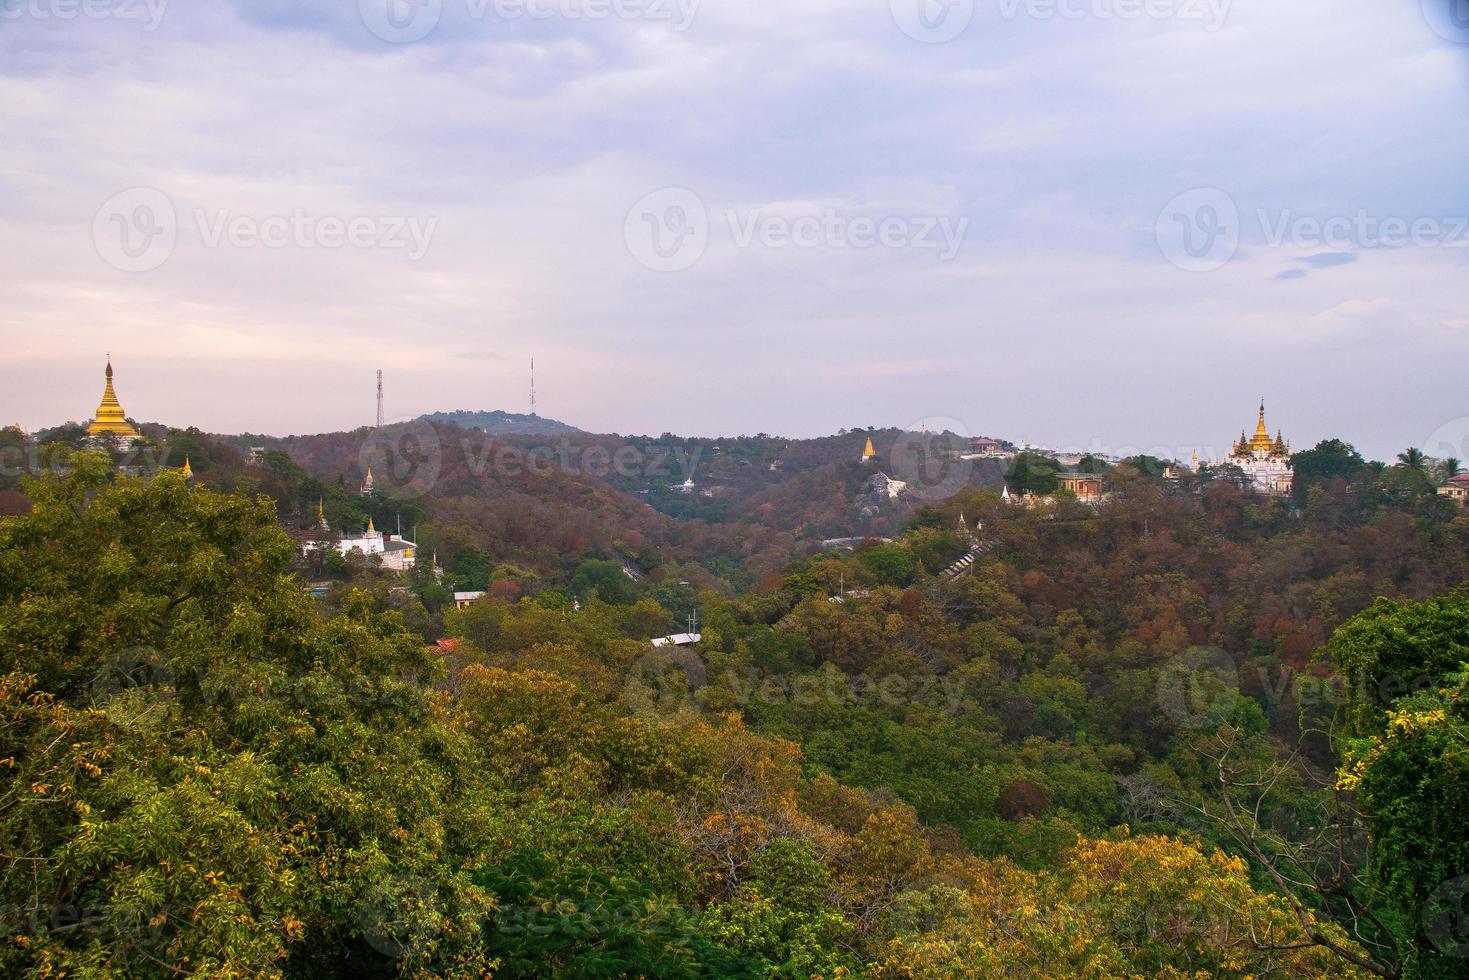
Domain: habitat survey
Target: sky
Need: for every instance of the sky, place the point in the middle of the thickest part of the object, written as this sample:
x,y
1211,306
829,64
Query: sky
x,y
1102,224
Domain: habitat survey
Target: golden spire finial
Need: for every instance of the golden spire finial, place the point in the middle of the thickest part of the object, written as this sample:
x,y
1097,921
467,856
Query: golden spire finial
x,y
370,528
188,470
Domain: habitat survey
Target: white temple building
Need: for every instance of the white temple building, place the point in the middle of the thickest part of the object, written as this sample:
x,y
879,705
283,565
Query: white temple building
x,y
395,552
1264,460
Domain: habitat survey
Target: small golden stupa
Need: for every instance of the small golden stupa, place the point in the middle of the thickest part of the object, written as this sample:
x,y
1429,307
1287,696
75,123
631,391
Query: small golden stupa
x,y
111,420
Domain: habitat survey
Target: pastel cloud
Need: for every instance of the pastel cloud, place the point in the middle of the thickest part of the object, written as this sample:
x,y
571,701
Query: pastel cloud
x,y
528,140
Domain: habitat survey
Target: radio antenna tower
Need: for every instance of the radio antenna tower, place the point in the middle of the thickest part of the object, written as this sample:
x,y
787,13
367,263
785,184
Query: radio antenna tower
x,y
533,386
380,418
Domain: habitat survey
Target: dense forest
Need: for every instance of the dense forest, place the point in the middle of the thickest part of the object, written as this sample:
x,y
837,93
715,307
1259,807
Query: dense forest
x,y
1186,731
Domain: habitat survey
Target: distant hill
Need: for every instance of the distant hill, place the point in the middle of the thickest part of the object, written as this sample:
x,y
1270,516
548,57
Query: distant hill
x,y
503,423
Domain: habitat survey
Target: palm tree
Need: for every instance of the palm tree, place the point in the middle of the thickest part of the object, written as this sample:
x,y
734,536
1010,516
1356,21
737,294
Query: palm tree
x,y
1451,467
1413,459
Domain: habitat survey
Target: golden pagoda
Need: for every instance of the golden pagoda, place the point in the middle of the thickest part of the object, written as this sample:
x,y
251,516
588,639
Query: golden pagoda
x,y
1265,459
111,420
188,470
868,453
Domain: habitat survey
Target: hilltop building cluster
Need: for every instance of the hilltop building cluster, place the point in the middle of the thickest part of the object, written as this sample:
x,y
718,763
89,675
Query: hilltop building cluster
x,y
396,553
1264,460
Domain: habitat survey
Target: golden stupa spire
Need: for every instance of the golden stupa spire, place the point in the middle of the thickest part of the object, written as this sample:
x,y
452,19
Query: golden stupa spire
x,y
370,529
868,452
111,419
1262,442
188,470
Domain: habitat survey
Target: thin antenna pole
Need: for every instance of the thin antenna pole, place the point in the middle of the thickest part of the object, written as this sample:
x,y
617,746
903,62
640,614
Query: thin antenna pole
x,y
533,386
380,418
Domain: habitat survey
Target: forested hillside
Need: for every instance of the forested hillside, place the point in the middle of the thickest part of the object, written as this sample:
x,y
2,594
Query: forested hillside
x,y
1186,731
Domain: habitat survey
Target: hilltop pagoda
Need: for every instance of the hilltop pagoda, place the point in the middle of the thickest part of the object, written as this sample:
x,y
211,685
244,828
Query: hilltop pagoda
x,y
111,420
1264,459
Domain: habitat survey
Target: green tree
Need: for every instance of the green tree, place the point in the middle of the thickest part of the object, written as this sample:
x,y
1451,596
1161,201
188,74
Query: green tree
x,y
1033,472
216,779
1331,458
890,564
606,580
1146,465
1405,739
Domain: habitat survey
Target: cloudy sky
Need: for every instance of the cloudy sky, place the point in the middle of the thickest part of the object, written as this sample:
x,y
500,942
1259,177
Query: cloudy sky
x,y
1105,223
